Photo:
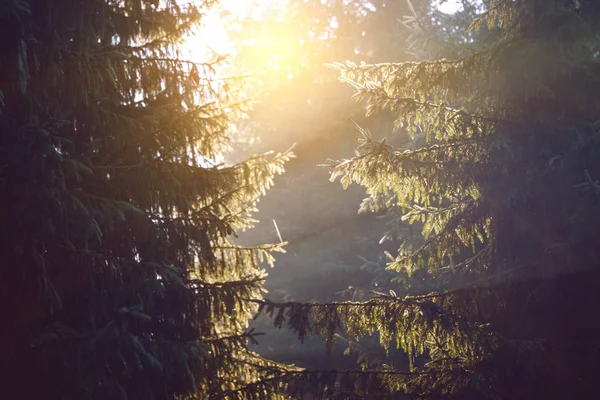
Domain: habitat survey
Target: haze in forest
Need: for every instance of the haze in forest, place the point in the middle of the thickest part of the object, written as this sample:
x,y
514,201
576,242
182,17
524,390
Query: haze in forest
x,y
312,200
283,49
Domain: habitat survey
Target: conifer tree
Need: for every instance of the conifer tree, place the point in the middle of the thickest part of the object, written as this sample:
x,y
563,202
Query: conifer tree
x,y
505,187
119,278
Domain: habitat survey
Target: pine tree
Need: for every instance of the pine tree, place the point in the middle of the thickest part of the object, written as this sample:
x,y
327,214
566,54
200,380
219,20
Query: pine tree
x,y
302,102
120,278
505,187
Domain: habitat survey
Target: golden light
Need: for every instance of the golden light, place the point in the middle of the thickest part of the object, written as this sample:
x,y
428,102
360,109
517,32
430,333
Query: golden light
x,y
213,34
268,43
267,38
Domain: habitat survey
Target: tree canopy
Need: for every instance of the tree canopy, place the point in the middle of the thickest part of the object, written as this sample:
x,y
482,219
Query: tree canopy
x,y
503,185
122,276
119,276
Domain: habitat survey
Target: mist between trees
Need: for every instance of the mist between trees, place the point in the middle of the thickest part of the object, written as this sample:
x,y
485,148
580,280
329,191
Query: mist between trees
x,y
432,234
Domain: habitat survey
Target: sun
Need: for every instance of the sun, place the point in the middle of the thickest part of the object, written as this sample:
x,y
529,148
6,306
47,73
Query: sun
x,y
221,26
277,48
212,37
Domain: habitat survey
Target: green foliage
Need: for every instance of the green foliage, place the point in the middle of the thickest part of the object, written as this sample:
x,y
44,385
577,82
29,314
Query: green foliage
x,y
120,277
306,105
503,106
501,176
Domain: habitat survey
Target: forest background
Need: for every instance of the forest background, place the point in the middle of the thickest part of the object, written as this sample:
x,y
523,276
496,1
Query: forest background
x,y
301,103
143,208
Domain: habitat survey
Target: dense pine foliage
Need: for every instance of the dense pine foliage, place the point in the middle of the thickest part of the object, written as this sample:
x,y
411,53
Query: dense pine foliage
x,y
121,276
502,177
119,279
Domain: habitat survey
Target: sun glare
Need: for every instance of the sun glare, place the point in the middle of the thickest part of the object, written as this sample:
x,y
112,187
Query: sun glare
x,y
272,46
212,36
